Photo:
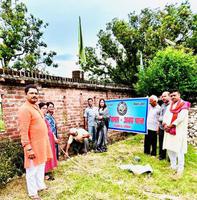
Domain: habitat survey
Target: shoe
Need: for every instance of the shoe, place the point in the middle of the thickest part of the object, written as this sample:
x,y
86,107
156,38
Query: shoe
x,y
35,197
172,169
43,189
46,177
49,177
98,150
178,175
104,149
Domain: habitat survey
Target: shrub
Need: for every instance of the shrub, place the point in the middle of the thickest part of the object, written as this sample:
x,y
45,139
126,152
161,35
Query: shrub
x,y
169,69
11,160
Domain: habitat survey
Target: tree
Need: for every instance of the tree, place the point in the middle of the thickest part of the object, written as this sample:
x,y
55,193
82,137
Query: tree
x,y
192,41
117,54
170,69
21,44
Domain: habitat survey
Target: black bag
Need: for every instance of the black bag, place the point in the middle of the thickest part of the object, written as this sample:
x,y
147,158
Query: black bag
x,y
100,124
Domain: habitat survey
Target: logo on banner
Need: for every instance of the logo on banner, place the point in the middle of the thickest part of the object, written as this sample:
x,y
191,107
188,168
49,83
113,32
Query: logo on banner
x,y
122,108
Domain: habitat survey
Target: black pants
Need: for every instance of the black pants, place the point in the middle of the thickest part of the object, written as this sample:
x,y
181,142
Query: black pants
x,y
162,153
150,141
79,147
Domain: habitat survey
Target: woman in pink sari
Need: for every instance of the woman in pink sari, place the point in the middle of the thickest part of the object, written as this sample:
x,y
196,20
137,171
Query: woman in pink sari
x,y
52,163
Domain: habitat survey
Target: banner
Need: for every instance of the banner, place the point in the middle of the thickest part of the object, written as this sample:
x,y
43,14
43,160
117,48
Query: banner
x,y
128,115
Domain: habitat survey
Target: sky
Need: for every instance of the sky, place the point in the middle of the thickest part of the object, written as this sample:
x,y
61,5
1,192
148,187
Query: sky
x,y
62,15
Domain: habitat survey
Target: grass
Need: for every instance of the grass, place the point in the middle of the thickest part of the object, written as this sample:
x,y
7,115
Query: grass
x,y
98,177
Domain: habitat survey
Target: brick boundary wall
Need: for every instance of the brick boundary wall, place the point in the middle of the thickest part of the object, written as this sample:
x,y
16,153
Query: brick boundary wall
x,y
70,99
69,96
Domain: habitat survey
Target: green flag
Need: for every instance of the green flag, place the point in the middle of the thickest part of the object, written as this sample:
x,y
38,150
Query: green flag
x,y
82,57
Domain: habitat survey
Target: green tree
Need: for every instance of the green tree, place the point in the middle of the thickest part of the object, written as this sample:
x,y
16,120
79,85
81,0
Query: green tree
x,y
192,41
21,44
170,69
117,54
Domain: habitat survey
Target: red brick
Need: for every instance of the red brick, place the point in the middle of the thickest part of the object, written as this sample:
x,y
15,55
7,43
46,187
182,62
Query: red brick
x,y
69,106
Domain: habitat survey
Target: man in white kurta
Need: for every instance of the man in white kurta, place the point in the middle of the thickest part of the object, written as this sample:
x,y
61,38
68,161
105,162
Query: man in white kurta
x,y
176,143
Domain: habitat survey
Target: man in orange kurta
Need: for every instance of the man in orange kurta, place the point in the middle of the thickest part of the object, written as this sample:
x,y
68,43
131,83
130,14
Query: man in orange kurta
x,y
35,141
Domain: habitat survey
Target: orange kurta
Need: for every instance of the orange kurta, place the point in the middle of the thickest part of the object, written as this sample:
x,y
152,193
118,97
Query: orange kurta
x,y
34,134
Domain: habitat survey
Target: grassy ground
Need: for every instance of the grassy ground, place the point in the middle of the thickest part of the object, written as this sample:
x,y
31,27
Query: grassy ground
x,y
98,177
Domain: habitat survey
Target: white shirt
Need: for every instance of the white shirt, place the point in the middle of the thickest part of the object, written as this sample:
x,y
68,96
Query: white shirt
x,y
153,118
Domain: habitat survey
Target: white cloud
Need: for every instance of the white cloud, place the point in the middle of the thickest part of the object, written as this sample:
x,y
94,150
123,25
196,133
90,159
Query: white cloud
x,y
64,70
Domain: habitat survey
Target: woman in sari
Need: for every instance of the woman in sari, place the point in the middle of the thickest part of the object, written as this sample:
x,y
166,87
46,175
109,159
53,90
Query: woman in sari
x,y
52,163
52,123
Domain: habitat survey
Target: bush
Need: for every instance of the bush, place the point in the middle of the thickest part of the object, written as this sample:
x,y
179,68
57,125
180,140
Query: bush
x,y
11,160
169,69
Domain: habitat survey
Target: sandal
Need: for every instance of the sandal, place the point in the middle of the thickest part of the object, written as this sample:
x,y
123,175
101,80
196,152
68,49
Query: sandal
x,y
46,177
43,189
35,197
49,178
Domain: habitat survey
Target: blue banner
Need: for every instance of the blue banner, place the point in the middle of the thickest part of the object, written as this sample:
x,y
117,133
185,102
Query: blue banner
x,y
128,115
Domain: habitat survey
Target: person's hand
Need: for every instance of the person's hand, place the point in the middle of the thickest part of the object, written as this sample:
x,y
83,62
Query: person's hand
x,y
171,126
166,128
57,141
100,117
86,136
66,155
30,154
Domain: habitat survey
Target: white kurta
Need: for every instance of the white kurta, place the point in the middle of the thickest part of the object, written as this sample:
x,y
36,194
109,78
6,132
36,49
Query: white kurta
x,y
176,142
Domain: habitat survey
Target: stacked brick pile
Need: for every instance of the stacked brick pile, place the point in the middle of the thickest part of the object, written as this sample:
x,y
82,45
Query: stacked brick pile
x,y
192,126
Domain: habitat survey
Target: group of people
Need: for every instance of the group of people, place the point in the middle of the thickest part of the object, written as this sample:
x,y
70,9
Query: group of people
x,y
40,142
95,132
169,121
39,138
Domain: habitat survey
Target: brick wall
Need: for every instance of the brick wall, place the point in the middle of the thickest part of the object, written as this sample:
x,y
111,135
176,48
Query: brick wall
x,y
70,99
